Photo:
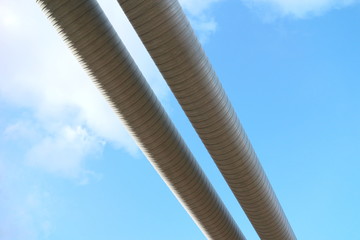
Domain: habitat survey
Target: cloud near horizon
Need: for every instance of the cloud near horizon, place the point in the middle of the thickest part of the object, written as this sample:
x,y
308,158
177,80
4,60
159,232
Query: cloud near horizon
x,y
297,8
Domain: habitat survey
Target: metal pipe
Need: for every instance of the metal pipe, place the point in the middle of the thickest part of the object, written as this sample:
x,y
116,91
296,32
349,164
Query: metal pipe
x,y
89,34
171,42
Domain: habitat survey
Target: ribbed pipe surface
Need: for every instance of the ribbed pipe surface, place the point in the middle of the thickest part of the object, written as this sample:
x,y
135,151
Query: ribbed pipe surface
x,y
93,40
171,42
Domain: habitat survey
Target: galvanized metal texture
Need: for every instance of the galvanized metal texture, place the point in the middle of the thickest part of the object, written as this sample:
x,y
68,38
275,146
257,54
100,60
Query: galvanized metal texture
x,y
171,42
87,31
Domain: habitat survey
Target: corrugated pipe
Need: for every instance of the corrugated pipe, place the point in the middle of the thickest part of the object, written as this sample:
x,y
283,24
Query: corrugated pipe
x,y
85,28
171,42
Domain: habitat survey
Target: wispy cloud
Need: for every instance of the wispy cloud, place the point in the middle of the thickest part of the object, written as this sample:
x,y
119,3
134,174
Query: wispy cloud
x,y
297,8
199,13
68,119
64,152
24,207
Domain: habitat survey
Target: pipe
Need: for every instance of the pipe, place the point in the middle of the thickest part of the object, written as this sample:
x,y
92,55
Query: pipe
x,y
89,34
167,35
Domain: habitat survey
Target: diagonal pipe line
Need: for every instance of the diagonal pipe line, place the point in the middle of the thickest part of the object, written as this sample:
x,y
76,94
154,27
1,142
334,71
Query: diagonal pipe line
x,y
90,36
167,35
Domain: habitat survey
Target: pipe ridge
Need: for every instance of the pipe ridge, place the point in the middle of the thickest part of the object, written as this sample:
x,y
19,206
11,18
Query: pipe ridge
x,y
140,101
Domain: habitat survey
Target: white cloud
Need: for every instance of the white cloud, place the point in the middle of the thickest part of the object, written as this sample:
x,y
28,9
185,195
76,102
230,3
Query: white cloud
x,y
40,75
8,18
64,152
200,17
197,8
298,8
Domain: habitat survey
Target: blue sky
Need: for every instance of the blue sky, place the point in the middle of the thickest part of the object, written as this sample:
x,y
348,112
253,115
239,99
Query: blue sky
x,y
69,170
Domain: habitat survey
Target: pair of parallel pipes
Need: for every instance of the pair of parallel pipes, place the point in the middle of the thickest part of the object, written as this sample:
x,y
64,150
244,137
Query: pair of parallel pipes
x,y
171,42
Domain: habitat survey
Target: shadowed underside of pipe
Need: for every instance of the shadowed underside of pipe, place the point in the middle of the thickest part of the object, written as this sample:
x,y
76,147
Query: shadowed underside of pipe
x,y
171,42
93,40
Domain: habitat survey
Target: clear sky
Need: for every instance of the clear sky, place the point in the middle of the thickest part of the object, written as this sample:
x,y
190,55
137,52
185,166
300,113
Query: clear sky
x,y
69,170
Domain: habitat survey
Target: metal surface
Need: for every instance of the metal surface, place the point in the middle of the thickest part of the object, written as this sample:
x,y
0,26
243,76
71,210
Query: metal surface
x,y
92,39
171,42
